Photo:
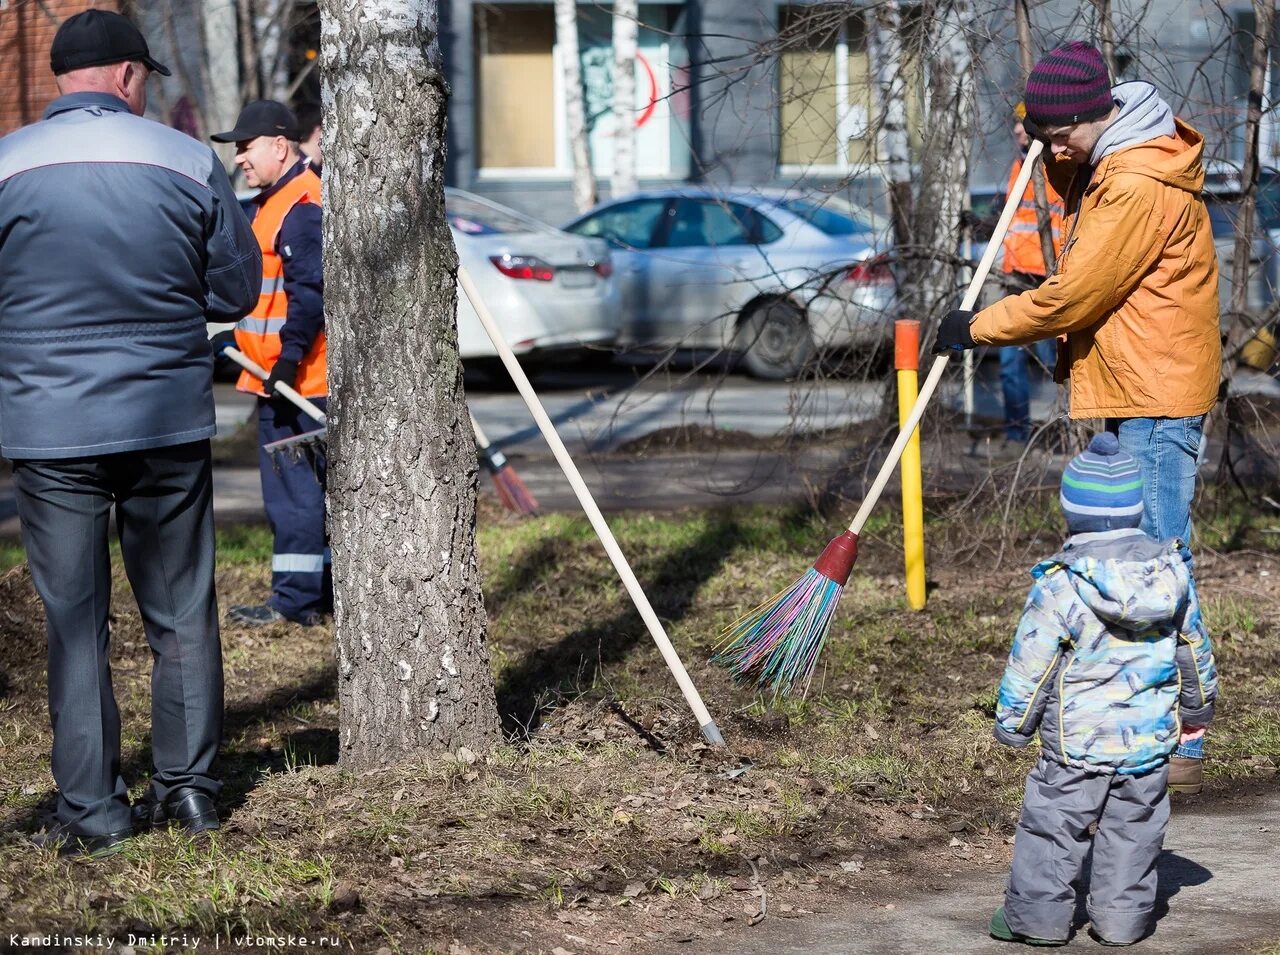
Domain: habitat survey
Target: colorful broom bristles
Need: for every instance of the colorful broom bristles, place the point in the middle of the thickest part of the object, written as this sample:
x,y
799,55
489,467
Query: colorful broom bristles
x,y
776,646
511,490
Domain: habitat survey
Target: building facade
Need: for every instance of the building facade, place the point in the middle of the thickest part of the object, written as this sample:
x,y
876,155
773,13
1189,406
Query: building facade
x,y
768,93
26,33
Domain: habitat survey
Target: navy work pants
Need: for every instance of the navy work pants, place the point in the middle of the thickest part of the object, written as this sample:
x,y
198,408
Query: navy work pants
x,y
293,486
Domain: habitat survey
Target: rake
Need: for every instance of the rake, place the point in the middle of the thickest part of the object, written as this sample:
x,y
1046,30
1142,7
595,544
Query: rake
x,y
776,645
710,732
511,490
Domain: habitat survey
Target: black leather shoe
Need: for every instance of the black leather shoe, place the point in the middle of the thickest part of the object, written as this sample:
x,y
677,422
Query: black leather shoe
x,y
70,844
189,809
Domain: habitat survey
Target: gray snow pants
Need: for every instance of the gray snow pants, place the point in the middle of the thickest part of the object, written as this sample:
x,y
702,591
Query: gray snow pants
x,y
1053,839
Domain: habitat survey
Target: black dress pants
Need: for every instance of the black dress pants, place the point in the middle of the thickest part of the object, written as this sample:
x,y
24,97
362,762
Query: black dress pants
x,y
163,500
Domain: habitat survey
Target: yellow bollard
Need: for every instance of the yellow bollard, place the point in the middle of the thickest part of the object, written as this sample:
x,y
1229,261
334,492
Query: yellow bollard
x,y
906,359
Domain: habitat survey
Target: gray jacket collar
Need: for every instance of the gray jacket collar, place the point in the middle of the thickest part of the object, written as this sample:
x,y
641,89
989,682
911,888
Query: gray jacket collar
x,y
72,101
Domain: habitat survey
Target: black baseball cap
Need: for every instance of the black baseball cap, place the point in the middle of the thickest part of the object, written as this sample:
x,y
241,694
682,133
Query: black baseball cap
x,y
99,38
263,117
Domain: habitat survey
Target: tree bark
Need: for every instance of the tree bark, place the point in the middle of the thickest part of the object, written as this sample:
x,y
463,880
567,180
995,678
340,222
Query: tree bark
x,y
1044,224
884,36
584,178
1106,36
413,666
626,30
220,72
271,28
944,176
1264,12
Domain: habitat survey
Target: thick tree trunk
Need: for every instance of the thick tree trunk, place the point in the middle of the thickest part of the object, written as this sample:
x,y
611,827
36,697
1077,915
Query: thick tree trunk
x,y
1044,224
413,668
944,179
584,178
625,40
885,40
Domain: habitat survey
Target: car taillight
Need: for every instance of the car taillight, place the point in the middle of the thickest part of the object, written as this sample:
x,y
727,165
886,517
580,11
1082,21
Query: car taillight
x,y
523,267
603,268
870,272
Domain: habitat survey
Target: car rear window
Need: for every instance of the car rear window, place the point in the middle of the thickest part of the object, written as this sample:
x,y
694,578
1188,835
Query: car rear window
x,y
476,218
833,217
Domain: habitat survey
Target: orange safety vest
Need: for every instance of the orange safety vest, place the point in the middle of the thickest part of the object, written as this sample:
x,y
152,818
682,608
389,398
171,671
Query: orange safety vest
x,y
258,333
1022,252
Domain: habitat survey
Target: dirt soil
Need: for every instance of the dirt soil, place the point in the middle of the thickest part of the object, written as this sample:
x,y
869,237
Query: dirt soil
x,y
606,824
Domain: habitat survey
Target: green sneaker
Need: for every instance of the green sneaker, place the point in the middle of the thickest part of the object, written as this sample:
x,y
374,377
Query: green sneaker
x,y
1000,931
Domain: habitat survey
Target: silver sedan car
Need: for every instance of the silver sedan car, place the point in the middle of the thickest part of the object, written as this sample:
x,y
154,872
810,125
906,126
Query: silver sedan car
x,y
550,292
774,276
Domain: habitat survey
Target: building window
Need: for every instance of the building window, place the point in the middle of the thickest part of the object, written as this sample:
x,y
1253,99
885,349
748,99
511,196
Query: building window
x,y
826,88
520,101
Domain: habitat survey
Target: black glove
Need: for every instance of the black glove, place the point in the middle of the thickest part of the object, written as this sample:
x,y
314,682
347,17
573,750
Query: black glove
x,y
283,372
1034,131
221,341
970,219
953,333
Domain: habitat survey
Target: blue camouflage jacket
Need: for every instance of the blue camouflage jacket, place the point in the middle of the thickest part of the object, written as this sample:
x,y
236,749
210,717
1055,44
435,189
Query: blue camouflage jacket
x,y
1111,656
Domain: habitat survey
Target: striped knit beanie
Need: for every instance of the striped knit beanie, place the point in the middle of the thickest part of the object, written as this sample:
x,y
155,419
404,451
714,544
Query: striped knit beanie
x,y
1069,85
1102,488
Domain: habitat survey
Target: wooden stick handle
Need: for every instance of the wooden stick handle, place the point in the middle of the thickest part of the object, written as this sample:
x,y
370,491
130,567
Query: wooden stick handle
x,y
940,363
285,391
709,729
481,440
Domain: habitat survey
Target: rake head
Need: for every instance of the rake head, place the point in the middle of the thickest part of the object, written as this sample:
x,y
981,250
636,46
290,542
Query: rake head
x,y
512,492
300,445
776,646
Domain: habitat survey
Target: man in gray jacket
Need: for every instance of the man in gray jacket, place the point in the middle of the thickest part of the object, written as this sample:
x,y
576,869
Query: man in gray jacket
x,y
119,239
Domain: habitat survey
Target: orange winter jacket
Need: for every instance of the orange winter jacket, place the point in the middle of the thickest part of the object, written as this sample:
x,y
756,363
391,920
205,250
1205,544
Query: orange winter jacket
x,y
1135,291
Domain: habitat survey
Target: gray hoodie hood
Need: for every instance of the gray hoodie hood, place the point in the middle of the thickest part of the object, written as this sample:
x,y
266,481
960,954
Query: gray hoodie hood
x,y
1128,579
1144,116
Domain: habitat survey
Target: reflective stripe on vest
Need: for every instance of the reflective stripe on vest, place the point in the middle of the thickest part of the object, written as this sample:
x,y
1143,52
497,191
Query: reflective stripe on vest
x,y
1022,250
258,333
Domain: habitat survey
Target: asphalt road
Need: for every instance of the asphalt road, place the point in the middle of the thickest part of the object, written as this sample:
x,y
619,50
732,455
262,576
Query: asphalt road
x,y
1217,894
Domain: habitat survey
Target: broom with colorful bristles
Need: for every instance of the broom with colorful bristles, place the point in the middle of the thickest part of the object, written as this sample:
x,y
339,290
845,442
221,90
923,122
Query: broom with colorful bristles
x,y
511,490
776,645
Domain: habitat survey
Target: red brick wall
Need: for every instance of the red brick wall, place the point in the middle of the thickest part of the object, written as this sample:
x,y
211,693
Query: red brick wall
x,y
26,31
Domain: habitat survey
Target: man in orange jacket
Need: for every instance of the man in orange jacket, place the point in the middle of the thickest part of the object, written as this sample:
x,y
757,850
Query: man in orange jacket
x,y
285,335
1135,290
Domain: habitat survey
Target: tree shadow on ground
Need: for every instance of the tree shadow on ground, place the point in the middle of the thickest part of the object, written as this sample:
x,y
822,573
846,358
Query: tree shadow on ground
x,y
671,582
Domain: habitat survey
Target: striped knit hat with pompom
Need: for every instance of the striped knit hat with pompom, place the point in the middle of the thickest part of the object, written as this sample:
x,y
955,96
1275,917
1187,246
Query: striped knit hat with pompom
x,y
1102,488
1069,85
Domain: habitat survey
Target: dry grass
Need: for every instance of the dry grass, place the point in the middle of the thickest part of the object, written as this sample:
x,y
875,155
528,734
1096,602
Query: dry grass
x,y
610,827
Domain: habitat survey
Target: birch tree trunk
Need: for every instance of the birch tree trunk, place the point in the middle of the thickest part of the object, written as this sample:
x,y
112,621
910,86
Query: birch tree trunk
x,y
1106,36
413,667
885,40
1044,225
944,175
626,29
584,178
220,71
1264,12
271,27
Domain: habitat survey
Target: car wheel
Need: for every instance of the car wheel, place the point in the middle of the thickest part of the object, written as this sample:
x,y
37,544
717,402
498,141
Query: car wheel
x,y
775,340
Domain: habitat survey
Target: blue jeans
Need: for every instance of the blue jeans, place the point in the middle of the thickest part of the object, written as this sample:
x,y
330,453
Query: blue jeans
x,y
1167,450
1015,384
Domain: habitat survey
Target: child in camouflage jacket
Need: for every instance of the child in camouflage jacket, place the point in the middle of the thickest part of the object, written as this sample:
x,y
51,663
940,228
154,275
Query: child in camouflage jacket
x,y
1110,661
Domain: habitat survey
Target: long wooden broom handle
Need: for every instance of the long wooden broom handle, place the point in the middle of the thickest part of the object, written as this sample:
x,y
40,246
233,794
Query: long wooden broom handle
x,y
253,368
709,729
481,440
940,363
